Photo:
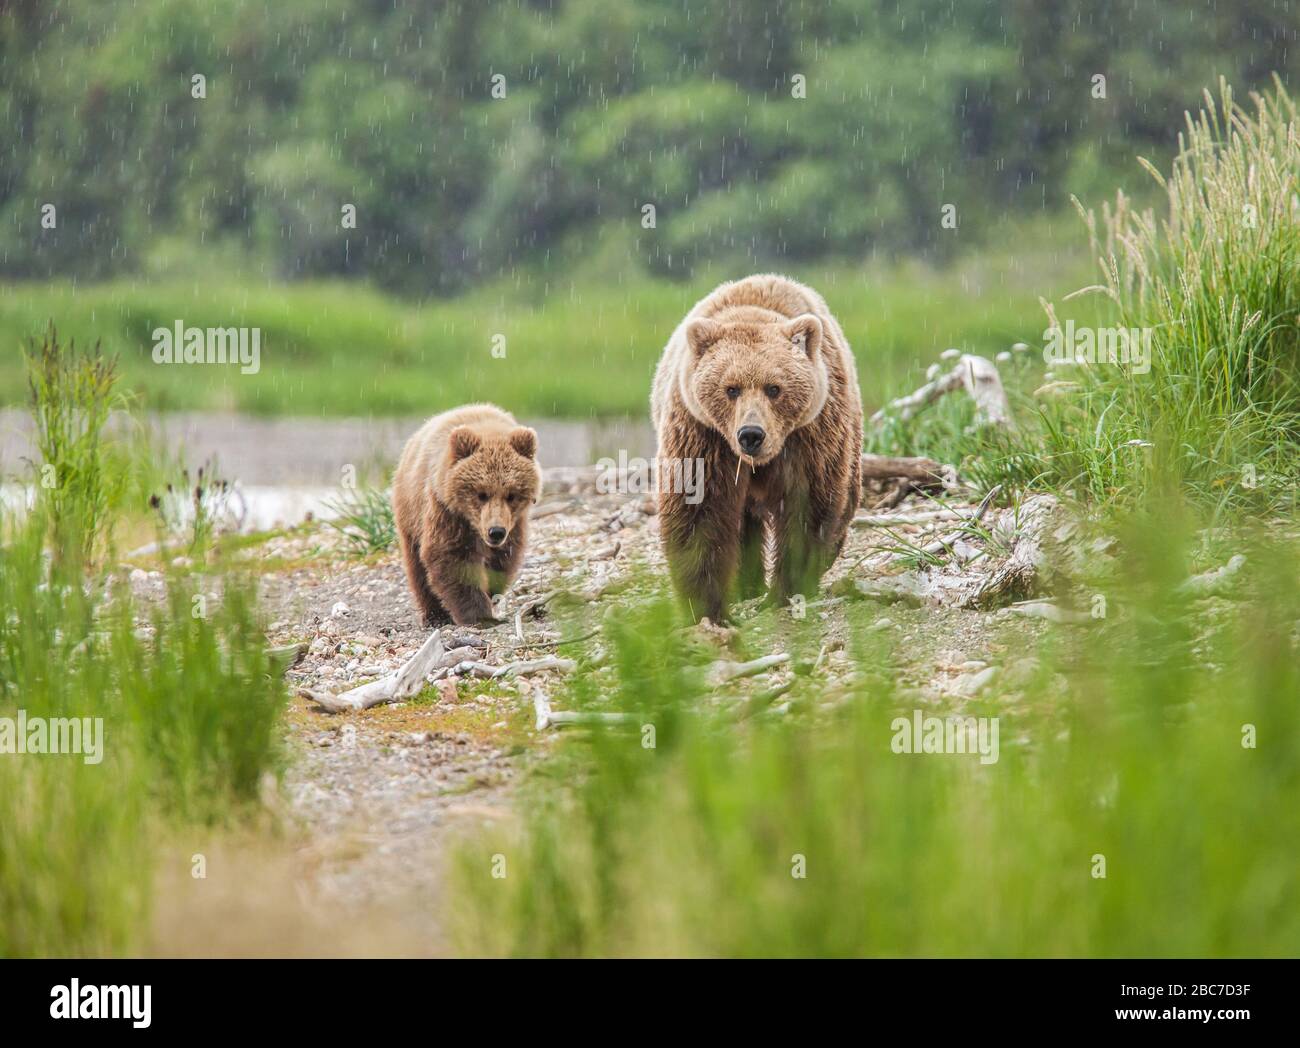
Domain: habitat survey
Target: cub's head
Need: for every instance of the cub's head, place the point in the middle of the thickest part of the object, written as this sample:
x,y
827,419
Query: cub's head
x,y
491,479
756,383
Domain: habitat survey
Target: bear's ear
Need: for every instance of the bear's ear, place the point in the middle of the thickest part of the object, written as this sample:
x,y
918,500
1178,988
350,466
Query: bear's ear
x,y
805,333
701,334
462,442
524,441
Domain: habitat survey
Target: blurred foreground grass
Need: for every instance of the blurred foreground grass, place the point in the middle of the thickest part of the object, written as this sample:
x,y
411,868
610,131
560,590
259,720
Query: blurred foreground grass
x,y
1145,800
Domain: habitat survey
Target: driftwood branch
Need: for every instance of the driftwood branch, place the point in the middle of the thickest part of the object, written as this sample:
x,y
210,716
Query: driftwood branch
x,y
922,473
524,609
1043,609
722,671
404,682
521,668
1014,576
889,520
978,376
949,540
548,718
1018,574
1216,582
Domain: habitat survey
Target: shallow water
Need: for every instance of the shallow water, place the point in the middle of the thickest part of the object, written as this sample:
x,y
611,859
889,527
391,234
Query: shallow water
x,y
285,469
307,452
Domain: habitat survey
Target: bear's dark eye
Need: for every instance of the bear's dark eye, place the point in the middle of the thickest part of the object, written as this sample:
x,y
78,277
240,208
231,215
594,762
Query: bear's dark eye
x,y
733,392
510,500
773,392
482,496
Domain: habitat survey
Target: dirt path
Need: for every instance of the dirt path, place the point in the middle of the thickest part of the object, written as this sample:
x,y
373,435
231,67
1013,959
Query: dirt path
x,y
375,797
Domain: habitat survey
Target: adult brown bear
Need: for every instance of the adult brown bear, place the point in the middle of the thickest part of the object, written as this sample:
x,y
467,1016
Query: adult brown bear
x,y
758,383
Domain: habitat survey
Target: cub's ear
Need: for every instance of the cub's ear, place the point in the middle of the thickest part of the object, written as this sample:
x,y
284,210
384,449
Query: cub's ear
x,y
462,442
805,332
701,334
524,441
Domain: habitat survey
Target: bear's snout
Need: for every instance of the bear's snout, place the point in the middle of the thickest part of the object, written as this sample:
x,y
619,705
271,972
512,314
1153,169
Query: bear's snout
x,y
496,535
750,438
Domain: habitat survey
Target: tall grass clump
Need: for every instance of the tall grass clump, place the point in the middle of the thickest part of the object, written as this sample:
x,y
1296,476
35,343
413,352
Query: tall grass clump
x,y
364,520
190,707
1216,281
71,394
1163,752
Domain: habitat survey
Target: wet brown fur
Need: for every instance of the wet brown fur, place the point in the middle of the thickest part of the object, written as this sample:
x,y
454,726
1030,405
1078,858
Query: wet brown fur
x,y
443,518
793,500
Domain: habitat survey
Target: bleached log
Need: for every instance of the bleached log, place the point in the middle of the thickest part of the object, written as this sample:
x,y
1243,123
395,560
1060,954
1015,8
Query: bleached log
x,y
1019,572
1042,609
907,406
1212,583
951,539
722,671
548,718
525,608
467,668
877,520
542,665
977,375
404,682
971,587
923,472
893,589
980,377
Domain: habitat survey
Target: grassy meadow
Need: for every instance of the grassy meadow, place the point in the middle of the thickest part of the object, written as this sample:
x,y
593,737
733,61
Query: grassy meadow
x,y
580,341
1146,797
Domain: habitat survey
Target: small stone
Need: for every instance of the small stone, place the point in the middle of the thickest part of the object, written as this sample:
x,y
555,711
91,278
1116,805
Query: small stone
x,y
972,684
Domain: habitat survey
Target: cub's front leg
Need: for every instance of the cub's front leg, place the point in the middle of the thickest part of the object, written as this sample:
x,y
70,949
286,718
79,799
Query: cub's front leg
x,y
460,584
700,529
503,565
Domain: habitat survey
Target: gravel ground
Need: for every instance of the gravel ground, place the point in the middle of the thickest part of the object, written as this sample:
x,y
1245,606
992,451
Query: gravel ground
x,y
375,796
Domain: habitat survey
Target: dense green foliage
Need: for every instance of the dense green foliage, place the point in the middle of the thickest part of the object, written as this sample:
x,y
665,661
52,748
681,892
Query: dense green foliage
x,y
609,105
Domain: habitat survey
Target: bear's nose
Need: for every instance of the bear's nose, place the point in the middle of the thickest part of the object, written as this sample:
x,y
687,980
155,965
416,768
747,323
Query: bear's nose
x,y
750,438
496,535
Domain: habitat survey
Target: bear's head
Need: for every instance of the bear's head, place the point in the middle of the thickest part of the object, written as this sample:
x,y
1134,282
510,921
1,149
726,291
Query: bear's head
x,y
756,383
491,478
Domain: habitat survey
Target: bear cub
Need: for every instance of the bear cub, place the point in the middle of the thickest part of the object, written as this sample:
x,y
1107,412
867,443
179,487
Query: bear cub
x,y
460,504
757,384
